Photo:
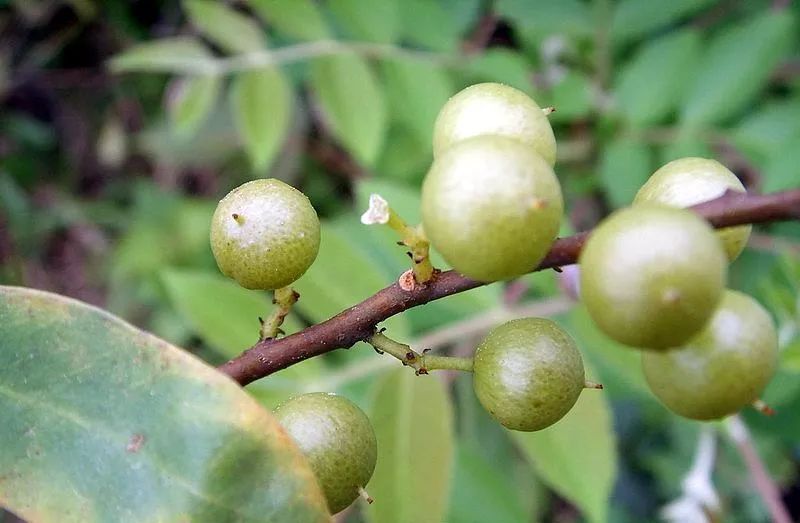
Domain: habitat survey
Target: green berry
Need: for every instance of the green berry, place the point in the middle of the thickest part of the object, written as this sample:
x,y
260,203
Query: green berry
x,y
721,370
492,207
689,181
336,438
528,373
651,276
264,234
497,109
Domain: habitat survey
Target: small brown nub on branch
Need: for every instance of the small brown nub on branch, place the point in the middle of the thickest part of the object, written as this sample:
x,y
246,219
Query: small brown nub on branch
x,y
592,385
763,408
407,282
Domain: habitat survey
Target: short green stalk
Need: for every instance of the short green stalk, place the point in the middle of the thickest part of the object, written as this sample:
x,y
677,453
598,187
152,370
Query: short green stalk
x,y
410,236
283,299
420,362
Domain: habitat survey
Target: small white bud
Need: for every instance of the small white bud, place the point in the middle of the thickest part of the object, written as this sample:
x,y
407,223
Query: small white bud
x,y
378,211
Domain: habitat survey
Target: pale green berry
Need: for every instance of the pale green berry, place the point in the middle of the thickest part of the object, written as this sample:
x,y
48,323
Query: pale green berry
x,y
338,441
264,234
528,373
651,276
492,108
689,181
492,207
721,370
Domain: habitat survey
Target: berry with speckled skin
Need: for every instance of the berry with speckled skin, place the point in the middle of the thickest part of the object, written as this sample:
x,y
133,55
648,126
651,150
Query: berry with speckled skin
x,y
528,373
337,439
689,181
492,207
492,108
721,370
651,276
264,234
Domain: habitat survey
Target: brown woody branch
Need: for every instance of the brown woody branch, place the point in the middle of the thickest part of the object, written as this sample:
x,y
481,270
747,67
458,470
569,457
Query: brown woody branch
x,y
358,322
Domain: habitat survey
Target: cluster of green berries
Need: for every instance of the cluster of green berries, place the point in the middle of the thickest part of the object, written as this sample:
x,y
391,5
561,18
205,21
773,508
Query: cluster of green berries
x,y
652,277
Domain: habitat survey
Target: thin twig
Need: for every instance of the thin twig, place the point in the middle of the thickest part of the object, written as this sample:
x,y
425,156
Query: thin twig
x,y
358,322
761,479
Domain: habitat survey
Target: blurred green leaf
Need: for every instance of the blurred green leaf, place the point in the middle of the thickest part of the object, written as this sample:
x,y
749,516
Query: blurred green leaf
x,y
762,133
262,106
781,171
416,91
377,21
104,422
545,17
190,100
503,66
181,54
482,491
573,98
224,314
437,25
300,19
413,421
577,456
625,165
650,86
736,66
353,102
400,159
634,18
231,30
686,142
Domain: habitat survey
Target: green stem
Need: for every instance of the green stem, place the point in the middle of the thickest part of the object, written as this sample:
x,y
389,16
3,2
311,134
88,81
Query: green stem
x,y
421,363
284,298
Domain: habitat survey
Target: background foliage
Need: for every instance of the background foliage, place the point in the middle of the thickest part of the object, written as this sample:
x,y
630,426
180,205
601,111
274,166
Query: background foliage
x,y
122,124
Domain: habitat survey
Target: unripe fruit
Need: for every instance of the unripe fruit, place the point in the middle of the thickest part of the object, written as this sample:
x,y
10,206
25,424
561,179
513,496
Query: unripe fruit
x,y
721,370
528,373
689,181
651,276
492,207
494,109
337,439
264,234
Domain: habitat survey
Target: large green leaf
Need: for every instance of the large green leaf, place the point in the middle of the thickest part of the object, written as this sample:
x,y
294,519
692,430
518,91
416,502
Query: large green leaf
x,y
181,54
624,166
765,131
737,66
416,90
634,18
190,100
353,103
437,25
262,107
103,422
577,456
544,17
412,416
229,29
296,18
503,65
652,83
379,21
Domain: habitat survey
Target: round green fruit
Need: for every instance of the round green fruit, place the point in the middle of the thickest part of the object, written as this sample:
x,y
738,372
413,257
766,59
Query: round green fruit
x,y
651,276
689,181
721,370
494,109
337,439
264,234
492,207
528,373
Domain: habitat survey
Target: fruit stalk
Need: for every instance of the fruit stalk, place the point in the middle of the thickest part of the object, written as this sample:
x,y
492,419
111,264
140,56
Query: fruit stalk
x,y
358,322
283,299
420,362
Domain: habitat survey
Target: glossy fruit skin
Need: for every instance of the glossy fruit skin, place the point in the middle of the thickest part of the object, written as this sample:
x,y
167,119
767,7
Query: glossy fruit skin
x,y
492,207
495,109
264,234
689,181
721,370
337,439
651,276
528,373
